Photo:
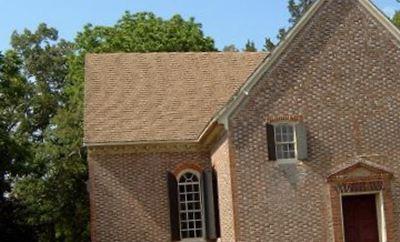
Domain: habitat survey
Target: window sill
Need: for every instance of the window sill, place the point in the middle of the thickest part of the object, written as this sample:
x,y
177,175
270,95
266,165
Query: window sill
x,y
287,161
194,240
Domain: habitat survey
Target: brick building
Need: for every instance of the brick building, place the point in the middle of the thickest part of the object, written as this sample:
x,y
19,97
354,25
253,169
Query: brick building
x,y
296,145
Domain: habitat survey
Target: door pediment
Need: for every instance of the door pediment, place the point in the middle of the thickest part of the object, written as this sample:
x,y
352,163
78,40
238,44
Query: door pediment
x,y
359,171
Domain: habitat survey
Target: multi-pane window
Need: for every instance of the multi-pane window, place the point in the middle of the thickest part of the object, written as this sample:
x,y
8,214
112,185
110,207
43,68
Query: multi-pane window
x,y
285,141
190,206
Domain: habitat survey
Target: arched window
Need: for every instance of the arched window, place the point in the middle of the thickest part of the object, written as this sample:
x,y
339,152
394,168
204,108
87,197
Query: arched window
x,y
193,203
190,205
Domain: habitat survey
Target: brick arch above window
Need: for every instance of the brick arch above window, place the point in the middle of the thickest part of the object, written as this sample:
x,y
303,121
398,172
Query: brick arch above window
x,y
284,118
181,167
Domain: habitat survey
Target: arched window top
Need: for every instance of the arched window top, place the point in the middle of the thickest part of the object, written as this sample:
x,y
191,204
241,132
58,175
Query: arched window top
x,y
189,176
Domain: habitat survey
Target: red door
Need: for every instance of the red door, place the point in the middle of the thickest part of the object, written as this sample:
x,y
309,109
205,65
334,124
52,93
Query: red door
x,y
360,218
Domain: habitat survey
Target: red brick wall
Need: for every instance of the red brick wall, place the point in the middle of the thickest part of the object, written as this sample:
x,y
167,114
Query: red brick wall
x,y
342,75
129,194
220,159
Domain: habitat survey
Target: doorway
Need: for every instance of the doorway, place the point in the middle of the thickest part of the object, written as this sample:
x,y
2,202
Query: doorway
x,y
360,218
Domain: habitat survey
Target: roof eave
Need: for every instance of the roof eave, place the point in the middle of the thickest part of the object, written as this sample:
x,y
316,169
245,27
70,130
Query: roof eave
x,y
205,140
143,142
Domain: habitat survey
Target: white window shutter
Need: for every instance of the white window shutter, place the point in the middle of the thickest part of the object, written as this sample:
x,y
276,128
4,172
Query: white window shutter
x,y
301,141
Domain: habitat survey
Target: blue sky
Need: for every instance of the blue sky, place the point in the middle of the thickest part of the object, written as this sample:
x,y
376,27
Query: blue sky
x,y
232,21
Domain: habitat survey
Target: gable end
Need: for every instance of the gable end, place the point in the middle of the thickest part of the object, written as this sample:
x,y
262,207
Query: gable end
x,y
241,96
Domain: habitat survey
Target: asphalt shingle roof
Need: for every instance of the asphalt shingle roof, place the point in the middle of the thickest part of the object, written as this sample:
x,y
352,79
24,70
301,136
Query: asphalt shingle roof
x,y
136,97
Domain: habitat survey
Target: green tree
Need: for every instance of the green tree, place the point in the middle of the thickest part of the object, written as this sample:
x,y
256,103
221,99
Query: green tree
x,y
44,64
230,48
14,146
55,189
250,46
145,32
296,9
396,19
39,61
268,44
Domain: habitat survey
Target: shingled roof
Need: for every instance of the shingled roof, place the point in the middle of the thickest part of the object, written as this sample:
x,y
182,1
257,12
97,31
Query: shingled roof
x,y
158,97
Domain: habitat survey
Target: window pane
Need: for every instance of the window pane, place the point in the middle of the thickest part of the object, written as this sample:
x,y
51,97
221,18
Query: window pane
x,y
283,129
279,153
278,133
198,224
183,226
183,206
290,134
291,147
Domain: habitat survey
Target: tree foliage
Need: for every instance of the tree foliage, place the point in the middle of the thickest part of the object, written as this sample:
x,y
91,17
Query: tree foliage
x,y
250,46
230,48
14,90
45,67
296,9
396,19
145,32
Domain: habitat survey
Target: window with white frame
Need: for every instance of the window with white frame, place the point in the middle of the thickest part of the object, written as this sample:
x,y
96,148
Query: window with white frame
x,y
190,205
285,141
